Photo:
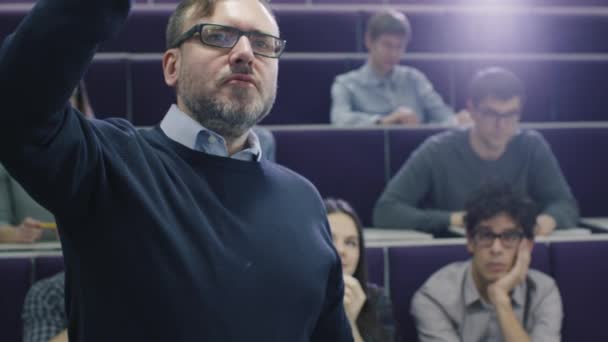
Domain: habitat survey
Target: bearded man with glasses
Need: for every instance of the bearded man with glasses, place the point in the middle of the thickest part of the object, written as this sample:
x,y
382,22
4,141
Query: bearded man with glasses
x,y
493,296
182,232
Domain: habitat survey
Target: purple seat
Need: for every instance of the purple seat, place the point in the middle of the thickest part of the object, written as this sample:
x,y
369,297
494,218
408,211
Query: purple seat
x,y
106,82
410,267
47,266
144,31
579,152
16,279
581,273
340,163
150,95
578,90
495,32
303,94
375,265
320,31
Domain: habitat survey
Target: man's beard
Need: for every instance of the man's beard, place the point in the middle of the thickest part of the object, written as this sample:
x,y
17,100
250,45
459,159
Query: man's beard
x,y
230,116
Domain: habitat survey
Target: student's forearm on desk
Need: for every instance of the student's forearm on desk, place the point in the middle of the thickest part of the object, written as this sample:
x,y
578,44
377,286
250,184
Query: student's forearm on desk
x,y
62,337
391,214
7,233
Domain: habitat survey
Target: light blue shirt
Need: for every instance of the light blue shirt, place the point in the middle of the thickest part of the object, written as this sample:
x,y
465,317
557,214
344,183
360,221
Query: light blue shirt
x,y
360,97
448,307
182,128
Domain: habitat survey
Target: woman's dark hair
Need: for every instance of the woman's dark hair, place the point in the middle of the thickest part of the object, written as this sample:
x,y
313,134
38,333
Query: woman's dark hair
x,y
368,321
495,198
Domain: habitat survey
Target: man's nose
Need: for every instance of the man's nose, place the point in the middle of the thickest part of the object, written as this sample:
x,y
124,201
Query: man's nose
x,y
496,246
242,52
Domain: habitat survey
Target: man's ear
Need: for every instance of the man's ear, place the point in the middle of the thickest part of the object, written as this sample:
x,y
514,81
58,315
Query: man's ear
x,y
171,65
470,244
368,41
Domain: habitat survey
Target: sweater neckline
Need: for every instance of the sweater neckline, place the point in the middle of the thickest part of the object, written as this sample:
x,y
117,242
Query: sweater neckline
x,y
198,158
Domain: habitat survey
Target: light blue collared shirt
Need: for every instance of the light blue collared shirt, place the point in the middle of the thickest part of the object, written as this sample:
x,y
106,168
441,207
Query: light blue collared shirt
x,y
448,307
182,128
360,97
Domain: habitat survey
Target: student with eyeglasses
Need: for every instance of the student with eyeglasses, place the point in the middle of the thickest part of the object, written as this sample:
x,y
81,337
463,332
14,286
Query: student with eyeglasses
x,y
182,232
494,296
428,193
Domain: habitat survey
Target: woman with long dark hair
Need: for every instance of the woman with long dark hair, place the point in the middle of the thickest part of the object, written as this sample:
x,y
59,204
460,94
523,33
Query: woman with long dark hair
x,y
367,307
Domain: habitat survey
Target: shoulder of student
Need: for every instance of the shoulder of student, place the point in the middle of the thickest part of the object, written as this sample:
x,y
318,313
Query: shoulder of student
x,y
408,72
349,77
530,139
444,285
445,141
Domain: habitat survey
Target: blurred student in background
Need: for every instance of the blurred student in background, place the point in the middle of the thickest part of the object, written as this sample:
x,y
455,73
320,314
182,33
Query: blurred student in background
x,y
494,296
430,190
367,307
382,91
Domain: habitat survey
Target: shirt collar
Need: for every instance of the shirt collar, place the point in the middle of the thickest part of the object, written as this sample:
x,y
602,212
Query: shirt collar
x,y
471,294
372,78
183,129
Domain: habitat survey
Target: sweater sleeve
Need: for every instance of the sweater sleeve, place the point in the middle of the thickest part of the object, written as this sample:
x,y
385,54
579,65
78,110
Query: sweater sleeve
x,y
6,211
549,187
398,206
40,64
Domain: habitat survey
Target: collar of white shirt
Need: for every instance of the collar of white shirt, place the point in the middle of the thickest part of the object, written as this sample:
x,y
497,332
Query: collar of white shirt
x,y
183,129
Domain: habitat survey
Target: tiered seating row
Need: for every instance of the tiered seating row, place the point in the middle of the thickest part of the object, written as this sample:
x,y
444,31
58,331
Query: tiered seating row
x,y
453,30
356,164
577,266
557,90
561,87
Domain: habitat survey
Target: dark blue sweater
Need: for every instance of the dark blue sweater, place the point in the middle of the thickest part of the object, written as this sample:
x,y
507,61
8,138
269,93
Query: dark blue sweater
x,y
161,243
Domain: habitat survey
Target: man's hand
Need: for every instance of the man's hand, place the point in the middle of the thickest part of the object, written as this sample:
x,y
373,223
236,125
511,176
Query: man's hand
x,y
463,118
401,116
354,298
545,225
28,231
498,292
457,219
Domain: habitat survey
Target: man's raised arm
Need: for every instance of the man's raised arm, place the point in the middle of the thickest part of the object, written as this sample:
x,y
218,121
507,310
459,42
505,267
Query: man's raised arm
x,y
43,60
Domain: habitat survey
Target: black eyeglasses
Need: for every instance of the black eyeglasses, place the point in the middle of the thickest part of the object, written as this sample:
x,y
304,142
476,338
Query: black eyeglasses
x,y
509,239
226,37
